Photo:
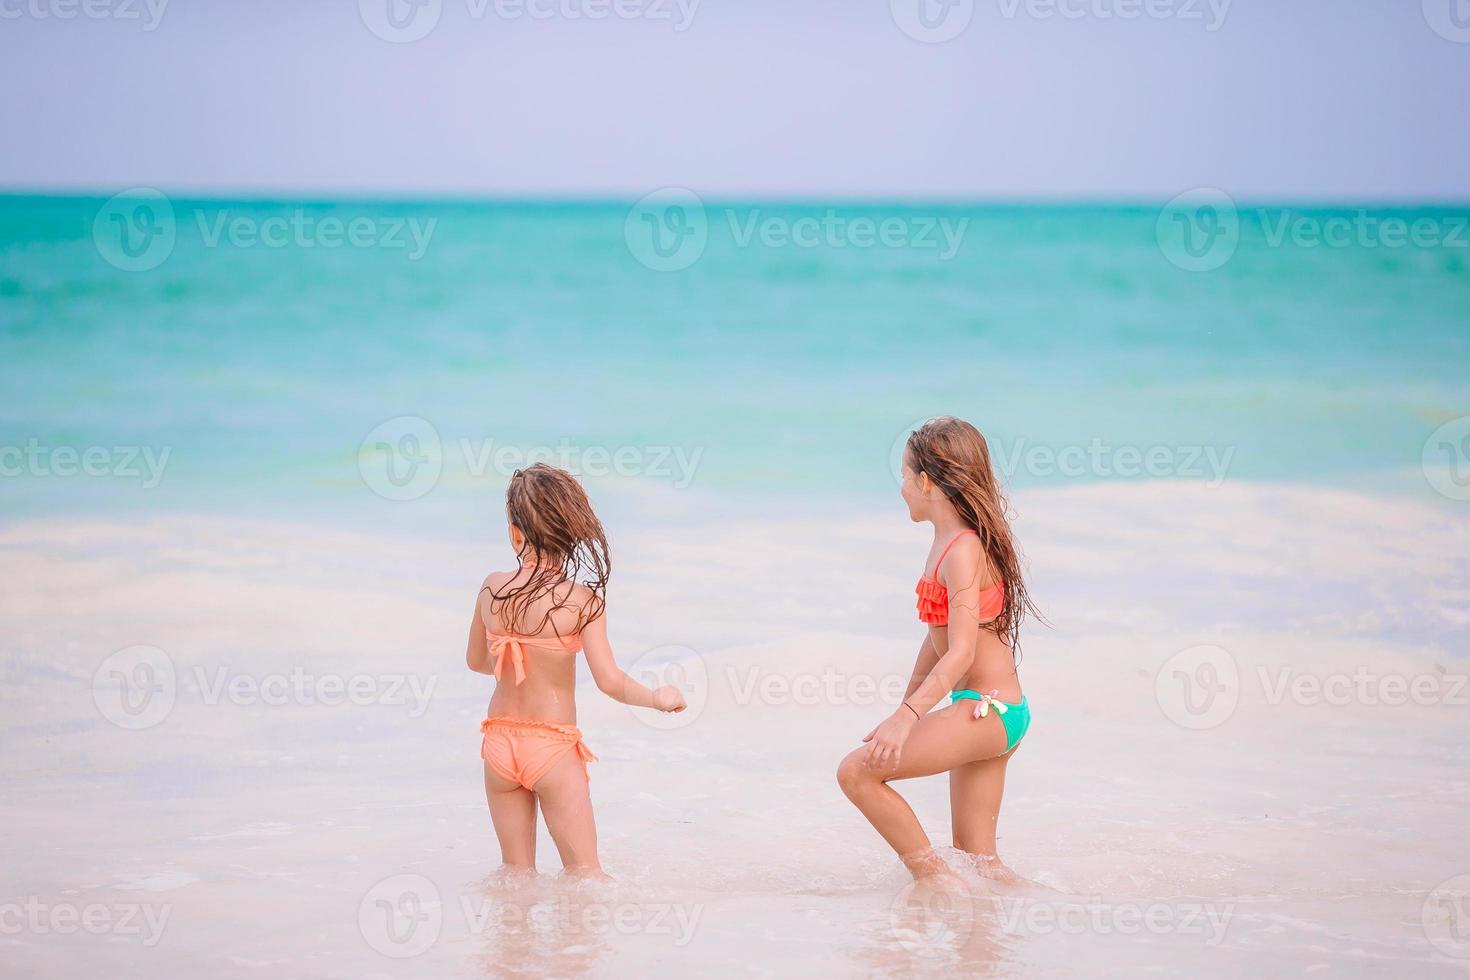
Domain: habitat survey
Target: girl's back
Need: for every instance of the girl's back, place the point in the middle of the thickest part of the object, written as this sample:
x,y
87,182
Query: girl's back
x,y
535,650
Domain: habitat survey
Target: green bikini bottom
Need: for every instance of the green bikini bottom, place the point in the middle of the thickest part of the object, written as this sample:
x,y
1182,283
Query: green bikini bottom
x,y
1015,717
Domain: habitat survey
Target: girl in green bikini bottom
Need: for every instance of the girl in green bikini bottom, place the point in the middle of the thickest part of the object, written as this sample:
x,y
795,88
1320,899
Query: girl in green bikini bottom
x,y
972,603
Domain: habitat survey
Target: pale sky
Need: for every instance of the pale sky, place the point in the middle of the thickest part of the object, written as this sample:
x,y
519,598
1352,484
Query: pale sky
x,y
1360,100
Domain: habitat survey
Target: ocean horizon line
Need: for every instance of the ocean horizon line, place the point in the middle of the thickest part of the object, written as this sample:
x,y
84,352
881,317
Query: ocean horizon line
x,y
999,204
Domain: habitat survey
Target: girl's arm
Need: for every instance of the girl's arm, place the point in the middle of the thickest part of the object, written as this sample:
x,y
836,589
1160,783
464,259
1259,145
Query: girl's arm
x,y
963,631
923,664
885,743
612,681
477,652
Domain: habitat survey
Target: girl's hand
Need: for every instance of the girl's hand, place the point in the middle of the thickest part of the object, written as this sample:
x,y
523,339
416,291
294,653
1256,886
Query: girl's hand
x,y
885,743
668,698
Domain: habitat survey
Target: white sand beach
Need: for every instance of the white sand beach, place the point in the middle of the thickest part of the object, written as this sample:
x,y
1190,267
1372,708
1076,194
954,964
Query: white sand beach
x,y
1249,752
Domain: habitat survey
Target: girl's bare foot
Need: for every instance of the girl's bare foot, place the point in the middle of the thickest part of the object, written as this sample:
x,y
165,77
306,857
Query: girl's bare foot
x,y
929,868
586,872
992,867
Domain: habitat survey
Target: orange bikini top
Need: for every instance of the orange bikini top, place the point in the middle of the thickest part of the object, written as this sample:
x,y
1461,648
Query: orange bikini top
x,y
513,646
934,597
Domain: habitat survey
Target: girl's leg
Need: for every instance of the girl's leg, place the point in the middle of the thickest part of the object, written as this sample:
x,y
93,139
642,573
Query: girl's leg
x,y
567,806
940,741
975,791
513,812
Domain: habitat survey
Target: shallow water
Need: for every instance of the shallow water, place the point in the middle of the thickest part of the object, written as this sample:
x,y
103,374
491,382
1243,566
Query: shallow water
x,y
1160,827
240,738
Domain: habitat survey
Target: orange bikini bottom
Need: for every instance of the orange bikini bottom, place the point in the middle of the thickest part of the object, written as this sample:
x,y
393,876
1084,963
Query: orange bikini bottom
x,y
524,751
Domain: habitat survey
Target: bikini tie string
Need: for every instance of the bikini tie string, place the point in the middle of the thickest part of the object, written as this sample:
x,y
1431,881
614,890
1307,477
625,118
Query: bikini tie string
x,y
983,703
502,645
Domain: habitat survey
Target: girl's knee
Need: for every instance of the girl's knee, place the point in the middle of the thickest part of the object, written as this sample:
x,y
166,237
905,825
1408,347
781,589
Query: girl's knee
x,y
853,775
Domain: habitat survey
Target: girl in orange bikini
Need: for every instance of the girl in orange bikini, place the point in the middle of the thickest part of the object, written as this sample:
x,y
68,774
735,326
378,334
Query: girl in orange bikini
x,y
971,598
527,629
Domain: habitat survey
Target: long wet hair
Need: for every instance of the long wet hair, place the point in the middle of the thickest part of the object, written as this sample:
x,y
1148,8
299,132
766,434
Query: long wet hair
x,y
564,544
956,457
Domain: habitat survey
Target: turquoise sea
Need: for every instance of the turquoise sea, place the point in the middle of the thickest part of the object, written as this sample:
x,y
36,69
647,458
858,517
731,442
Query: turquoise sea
x,y
252,457
251,347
